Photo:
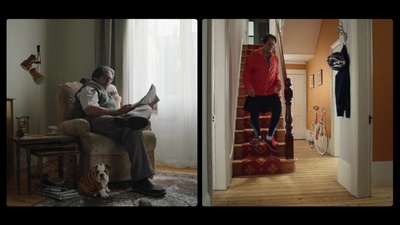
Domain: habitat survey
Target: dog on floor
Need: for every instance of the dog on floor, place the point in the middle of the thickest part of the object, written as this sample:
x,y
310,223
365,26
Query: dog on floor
x,y
95,182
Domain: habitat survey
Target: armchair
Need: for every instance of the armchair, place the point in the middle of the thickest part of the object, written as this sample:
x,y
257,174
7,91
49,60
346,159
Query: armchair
x,y
96,148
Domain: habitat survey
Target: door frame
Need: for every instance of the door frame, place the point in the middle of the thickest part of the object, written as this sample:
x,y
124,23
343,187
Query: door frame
x,y
334,143
302,74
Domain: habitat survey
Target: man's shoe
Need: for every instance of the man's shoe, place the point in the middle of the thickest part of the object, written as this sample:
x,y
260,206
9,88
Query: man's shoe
x,y
145,187
273,146
275,143
133,122
256,140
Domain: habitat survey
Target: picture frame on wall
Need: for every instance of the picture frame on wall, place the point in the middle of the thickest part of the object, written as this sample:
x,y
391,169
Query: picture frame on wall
x,y
312,81
319,77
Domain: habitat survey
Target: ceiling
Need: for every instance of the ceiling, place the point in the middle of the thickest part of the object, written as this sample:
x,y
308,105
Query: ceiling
x,y
299,39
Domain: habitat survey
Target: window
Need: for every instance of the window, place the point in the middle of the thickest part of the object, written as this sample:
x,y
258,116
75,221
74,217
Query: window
x,y
163,52
251,32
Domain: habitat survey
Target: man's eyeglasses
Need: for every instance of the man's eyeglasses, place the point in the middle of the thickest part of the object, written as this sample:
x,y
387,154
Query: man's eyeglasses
x,y
108,78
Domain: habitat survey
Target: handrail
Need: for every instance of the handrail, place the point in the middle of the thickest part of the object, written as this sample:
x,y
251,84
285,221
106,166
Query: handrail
x,y
320,111
280,51
288,94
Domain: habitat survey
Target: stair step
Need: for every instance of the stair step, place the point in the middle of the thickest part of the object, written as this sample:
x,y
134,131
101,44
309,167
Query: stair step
x,y
262,166
260,150
239,124
239,150
240,112
264,122
241,100
242,90
246,135
245,123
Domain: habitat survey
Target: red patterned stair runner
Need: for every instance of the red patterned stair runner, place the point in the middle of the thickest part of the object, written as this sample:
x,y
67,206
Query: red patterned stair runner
x,y
258,159
261,165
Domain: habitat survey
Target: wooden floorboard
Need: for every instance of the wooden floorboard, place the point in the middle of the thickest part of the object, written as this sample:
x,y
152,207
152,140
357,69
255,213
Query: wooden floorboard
x,y
314,183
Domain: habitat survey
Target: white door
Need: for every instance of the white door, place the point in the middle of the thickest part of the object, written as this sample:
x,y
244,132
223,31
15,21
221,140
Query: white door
x,y
298,80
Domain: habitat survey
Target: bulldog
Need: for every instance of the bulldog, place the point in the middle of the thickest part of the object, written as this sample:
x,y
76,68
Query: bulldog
x,y
95,182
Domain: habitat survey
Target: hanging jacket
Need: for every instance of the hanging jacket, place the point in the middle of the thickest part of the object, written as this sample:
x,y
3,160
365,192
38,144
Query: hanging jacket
x,y
342,87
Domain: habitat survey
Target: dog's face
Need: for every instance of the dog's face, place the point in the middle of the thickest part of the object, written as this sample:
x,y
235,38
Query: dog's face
x,y
95,182
102,173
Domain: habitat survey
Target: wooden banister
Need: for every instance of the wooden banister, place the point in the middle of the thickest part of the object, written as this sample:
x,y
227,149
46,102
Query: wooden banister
x,y
288,95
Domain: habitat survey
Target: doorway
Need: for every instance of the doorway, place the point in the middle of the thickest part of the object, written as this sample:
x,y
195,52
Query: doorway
x,y
298,81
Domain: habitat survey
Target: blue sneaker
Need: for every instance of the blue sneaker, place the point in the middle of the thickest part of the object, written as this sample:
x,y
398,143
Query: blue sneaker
x,y
256,140
272,144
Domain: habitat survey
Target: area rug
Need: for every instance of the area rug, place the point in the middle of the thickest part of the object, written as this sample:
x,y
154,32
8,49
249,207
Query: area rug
x,y
181,191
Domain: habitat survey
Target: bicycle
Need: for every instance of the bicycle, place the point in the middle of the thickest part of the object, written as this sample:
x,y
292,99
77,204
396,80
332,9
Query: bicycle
x,y
318,134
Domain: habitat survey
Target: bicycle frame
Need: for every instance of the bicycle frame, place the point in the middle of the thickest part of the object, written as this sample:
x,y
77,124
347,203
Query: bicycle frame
x,y
318,133
314,122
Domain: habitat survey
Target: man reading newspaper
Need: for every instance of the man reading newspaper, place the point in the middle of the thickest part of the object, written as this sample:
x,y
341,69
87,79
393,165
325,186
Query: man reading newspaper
x,y
98,107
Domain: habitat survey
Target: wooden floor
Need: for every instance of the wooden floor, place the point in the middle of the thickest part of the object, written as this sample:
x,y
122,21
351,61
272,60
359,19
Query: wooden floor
x,y
24,199
314,183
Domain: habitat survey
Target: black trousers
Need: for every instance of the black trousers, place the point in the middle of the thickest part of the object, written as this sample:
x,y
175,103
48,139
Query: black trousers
x,y
258,104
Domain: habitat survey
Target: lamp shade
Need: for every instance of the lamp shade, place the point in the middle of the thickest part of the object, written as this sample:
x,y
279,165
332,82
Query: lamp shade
x,y
27,64
38,78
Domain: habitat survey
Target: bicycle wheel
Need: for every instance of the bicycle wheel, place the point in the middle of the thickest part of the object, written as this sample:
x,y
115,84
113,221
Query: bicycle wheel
x,y
321,138
311,140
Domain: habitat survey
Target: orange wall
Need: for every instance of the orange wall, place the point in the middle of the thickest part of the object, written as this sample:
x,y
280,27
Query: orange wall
x,y
382,36
382,88
321,94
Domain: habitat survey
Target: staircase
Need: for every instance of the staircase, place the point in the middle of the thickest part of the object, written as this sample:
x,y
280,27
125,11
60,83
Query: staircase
x,y
257,160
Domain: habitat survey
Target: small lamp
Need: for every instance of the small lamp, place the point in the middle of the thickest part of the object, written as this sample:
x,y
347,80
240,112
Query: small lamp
x,y
38,77
27,64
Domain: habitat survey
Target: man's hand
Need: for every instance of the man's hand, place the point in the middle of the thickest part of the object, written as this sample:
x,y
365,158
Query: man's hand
x,y
251,92
125,108
278,87
153,106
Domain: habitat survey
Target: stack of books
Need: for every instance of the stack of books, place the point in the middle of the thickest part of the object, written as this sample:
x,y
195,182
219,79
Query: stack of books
x,y
58,189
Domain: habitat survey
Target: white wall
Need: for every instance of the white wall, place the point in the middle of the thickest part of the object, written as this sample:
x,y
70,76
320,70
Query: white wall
x,y
70,56
237,37
22,38
220,103
227,39
206,150
67,51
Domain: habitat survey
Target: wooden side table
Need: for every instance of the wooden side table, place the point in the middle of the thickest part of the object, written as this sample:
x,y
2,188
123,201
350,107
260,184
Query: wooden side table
x,y
42,146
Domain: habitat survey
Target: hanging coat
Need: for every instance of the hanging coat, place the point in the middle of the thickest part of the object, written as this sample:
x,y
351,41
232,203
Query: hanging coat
x,y
342,87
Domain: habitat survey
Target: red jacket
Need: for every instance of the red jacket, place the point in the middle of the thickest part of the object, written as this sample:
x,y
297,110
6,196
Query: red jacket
x,y
259,75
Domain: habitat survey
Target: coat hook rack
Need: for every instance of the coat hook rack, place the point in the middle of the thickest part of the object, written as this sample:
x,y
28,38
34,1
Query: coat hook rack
x,y
341,31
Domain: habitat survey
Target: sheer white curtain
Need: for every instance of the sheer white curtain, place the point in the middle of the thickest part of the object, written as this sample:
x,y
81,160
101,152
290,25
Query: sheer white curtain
x,y
163,52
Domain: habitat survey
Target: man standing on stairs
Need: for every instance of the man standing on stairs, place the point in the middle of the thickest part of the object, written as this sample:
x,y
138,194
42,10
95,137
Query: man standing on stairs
x,y
262,83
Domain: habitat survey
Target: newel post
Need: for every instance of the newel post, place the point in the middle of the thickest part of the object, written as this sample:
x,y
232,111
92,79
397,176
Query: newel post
x,y
288,120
